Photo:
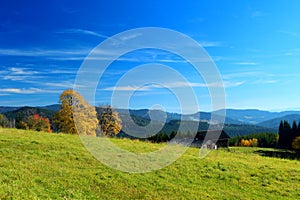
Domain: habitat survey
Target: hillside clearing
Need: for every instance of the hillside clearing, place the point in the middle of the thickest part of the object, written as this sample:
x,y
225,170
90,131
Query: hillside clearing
x,y
37,165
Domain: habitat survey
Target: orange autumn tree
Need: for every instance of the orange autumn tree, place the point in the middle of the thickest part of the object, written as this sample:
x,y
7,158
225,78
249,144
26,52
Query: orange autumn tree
x,y
75,116
38,123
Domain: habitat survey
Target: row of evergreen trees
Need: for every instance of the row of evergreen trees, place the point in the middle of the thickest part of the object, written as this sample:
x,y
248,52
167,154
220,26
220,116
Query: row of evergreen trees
x,y
268,140
287,134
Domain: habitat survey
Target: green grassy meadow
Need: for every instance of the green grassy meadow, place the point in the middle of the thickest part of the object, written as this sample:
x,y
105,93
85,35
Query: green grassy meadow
x,y
35,165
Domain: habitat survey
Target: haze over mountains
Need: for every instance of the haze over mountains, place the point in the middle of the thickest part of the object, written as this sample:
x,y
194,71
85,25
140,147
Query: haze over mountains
x,y
233,116
254,116
236,121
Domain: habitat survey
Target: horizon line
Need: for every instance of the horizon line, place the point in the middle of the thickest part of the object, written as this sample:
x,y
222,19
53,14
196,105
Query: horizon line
x,y
169,111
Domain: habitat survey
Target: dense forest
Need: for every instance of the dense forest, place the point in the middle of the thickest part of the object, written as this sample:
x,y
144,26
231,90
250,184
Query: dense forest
x,y
289,136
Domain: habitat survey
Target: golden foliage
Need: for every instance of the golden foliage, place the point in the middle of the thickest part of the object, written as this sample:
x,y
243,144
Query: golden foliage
x,y
109,121
75,116
249,143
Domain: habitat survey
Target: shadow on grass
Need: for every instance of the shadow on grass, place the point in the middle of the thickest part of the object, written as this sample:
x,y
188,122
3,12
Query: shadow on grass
x,y
292,155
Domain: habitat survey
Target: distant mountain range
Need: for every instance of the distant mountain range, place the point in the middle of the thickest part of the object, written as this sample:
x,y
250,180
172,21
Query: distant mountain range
x,y
237,122
275,122
253,116
233,116
162,116
4,109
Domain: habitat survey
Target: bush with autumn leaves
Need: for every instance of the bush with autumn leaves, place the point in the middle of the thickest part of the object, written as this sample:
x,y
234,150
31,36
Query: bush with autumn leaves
x,y
249,143
36,123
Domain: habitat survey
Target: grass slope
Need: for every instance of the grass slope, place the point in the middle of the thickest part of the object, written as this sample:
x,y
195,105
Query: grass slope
x,y
49,166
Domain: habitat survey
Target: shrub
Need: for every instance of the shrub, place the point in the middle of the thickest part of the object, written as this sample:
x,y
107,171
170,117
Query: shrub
x,y
3,121
249,143
37,123
296,143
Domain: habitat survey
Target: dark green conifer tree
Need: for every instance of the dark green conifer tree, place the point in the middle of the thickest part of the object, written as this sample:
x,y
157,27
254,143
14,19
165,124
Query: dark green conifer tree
x,y
293,134
281,135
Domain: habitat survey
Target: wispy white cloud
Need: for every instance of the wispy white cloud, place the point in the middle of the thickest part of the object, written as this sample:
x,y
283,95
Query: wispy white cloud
x,y
22,71
127,88
141,56
229,84
224,84
61,71
53,84
63,84
42,52
246,63
170,85
171,61
82,31
131,36
250,78
210,44
15,78
265,81
17,73
24,90
60,54
70,58
97,54
292,52
243,75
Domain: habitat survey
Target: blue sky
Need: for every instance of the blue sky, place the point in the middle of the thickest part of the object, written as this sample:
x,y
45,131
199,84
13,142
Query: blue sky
x,y
255,45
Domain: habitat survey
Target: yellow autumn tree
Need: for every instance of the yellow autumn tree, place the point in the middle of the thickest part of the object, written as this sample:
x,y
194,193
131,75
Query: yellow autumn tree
x,y
109,121
75,116
245,143
249,143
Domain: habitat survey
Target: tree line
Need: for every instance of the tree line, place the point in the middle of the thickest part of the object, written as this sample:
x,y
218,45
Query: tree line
x,y
268,140
289,136
75,116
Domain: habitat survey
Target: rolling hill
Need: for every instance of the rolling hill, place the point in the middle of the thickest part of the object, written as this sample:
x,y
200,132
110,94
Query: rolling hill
x,y
4,109
36,165
29,111
274,123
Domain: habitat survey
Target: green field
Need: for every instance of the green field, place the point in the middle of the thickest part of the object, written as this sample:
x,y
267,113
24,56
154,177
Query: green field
x,y
37,165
